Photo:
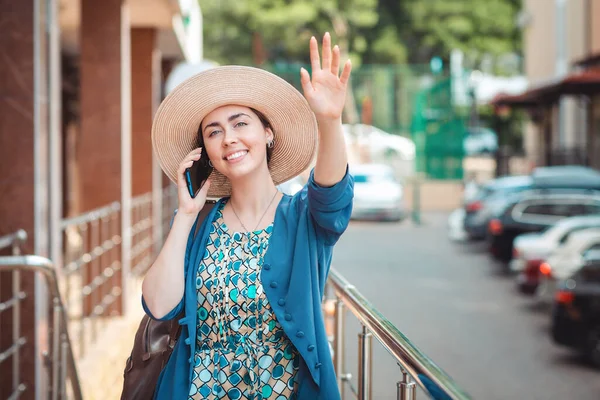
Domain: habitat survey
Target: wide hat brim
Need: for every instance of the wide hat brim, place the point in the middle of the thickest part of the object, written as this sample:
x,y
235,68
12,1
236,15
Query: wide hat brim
x,y
178,118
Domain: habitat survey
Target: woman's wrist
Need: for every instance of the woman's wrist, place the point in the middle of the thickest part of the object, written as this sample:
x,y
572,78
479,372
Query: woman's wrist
x,y
328,124
184,219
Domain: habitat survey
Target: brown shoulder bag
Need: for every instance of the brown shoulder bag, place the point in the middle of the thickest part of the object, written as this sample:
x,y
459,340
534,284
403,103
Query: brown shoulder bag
x,y
153,344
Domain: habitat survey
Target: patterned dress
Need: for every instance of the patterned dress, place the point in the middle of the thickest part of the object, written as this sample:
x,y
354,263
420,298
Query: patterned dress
x,y
242,351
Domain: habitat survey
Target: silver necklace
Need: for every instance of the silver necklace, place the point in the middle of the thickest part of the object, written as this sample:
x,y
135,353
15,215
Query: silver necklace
x,y
261,218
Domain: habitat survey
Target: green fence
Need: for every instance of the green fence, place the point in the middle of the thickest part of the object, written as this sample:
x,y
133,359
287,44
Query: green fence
x,y
408,101
438,131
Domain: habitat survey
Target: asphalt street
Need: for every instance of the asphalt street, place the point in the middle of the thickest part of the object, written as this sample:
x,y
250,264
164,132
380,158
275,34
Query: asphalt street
x,y
458,307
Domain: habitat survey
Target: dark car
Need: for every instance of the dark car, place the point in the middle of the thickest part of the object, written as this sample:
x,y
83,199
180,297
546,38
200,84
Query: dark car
x,y
576,310
479,210
556,193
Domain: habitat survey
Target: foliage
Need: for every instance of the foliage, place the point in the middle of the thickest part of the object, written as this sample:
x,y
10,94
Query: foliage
x,y
477,27
239,31
370,31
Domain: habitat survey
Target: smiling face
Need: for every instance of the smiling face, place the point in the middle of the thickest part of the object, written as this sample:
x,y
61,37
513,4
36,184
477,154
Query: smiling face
x,y
236,140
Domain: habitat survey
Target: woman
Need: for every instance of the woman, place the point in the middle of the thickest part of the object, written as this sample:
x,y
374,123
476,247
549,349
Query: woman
x,y
253,277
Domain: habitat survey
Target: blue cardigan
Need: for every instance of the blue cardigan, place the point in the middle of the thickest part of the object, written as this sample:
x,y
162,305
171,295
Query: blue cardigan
x,y
295,269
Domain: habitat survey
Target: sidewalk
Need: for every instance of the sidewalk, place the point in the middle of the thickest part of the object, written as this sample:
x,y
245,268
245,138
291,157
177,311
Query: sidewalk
x,y
101,368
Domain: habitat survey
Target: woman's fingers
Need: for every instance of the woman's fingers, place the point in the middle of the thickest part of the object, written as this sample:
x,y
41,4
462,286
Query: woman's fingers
x,y
346,72
314,54
203,192
335,61
305,81
326,52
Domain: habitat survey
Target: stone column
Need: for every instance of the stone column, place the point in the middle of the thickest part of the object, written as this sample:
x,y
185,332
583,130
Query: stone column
x,y
146,173
24,199
145,82
103,156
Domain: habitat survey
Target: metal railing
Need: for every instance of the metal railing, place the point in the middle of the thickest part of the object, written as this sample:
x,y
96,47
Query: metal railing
x,y
416,368
61,360
91,277
13,244
142,235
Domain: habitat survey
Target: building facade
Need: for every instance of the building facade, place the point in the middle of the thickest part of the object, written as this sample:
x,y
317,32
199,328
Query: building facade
x,y
560,37
79,83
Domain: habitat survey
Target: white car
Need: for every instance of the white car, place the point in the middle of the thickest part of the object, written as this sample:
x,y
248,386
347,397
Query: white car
x,y
566,260
480,141
379,141
292,186
456,225
377,193
538,246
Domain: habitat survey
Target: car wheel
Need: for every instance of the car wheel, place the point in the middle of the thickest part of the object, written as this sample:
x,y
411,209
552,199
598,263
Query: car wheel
x,y
592,346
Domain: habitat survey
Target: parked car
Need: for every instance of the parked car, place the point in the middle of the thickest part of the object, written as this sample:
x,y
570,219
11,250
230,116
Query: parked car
x,y
377,193
479,141
558,192
566,261
292,186
479,210
456,231
576,310
538,246
565,258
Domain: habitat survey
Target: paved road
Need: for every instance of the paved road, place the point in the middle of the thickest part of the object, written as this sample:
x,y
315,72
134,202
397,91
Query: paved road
x,y
451,300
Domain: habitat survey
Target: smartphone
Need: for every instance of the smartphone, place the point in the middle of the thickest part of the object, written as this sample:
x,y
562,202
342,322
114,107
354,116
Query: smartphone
x,y
197,174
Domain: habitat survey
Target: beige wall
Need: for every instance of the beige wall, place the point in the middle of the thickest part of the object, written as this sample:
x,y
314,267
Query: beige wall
x,y
594,27
539,41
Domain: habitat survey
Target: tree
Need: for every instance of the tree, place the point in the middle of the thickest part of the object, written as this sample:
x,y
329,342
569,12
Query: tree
x,y
477,27
236,30
370,31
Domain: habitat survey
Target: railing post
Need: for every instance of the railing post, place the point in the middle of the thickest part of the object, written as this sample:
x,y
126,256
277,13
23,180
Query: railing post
x,y
339,360
407,388
365,364
56,334
16,318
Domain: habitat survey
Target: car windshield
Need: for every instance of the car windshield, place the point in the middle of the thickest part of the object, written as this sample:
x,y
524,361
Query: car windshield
x,y
373,177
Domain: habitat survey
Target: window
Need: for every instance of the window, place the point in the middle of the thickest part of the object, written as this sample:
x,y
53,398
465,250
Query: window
x,y
592,208
359,178
555,209
383,176
591,271
567,234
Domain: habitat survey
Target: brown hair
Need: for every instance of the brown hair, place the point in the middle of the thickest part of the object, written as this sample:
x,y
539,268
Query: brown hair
x,y
263,120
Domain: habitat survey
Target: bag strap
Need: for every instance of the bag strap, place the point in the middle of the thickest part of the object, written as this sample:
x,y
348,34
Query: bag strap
x,y
175,326
208,206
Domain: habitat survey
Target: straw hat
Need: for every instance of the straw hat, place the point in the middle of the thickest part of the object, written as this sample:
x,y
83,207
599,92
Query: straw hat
x,y
177,120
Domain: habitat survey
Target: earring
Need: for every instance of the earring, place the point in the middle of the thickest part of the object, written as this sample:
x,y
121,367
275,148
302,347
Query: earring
x,y
210,164
271,144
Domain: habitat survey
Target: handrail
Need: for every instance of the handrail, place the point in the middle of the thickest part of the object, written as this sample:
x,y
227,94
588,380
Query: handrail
x,y
17,238
91,215
431,378
61,341
15,242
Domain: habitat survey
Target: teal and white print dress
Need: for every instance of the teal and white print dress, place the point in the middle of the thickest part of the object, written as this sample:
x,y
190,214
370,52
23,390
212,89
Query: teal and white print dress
x,y
242,351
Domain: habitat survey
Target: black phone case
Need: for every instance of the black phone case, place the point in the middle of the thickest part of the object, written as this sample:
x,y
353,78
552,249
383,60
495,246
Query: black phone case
x,y
197,174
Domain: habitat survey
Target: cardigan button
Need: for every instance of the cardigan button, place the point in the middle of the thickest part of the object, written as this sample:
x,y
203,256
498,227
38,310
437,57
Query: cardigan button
x,y
318,365
288,317
299,334
190,360
273,284
187,341
311,347
267,266
281,302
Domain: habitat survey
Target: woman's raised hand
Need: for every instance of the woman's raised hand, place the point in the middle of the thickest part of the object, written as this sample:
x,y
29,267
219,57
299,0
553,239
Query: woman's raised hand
x,y
326,91
187,204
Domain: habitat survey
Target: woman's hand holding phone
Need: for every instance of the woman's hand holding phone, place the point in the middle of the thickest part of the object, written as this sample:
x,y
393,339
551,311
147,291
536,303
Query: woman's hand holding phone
x,y
187,204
